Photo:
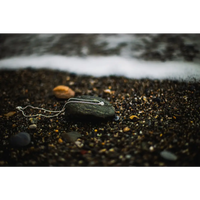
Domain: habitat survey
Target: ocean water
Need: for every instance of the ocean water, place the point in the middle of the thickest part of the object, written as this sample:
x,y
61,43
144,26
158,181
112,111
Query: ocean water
x,y
150,56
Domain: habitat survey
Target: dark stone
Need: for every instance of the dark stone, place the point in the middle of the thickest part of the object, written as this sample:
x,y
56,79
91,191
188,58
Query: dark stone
x,y
90,111
158,100
71,136
21,139
116,118
192,88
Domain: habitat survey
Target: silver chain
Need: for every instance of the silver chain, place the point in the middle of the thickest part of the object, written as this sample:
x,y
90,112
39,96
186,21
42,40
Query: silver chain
x,y
71,100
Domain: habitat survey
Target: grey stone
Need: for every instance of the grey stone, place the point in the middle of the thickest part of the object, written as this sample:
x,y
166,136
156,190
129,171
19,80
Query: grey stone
x,y
90,111
21,139
168,155
71,136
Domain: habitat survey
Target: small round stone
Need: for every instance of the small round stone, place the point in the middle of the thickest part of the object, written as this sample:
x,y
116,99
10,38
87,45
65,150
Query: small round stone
x,y
21,139
126,129
128,156
60,141
63,92
168,155
33,126
151,148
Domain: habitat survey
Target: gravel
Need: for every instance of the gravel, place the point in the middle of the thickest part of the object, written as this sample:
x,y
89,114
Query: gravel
x,y
156,115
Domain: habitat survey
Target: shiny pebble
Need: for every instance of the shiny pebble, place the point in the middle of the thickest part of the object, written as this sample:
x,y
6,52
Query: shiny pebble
x,y
20,139
63,92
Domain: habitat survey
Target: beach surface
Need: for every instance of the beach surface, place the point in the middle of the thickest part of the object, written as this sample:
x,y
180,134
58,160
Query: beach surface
x,y
152,117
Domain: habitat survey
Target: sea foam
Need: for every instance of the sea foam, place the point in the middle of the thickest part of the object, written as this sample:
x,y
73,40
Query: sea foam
x,y
107,65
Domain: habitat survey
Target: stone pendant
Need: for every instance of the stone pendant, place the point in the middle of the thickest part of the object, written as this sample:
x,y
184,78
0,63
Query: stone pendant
x,y
87,111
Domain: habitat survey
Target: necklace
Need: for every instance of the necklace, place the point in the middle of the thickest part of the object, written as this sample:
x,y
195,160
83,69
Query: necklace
x,y
71,100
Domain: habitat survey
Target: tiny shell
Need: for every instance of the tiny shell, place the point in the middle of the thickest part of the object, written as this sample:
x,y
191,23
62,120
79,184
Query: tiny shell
x,y
63,92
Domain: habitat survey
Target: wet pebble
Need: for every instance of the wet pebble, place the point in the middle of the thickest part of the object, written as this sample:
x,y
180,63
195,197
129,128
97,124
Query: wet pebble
x,y
63,92
168,155
20,139
90,110
33,126
126,129
71,136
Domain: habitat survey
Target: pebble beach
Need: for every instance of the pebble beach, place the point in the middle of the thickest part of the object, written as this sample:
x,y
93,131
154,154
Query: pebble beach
x,y
155,123
151,117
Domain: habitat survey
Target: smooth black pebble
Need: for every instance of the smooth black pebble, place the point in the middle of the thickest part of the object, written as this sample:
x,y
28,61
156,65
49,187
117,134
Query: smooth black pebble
x,y
21,139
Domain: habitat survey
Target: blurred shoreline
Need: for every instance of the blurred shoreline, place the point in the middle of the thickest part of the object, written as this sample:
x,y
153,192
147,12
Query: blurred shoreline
x,y
153,56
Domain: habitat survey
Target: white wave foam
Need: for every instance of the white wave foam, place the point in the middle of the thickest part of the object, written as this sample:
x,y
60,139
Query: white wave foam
x,y
105,66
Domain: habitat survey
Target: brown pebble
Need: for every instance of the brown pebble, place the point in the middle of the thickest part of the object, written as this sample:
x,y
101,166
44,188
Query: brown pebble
x,y
60,141
63,92
9,114
126,129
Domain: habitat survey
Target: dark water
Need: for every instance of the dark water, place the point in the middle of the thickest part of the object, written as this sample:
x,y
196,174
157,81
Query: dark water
x,y
72,42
